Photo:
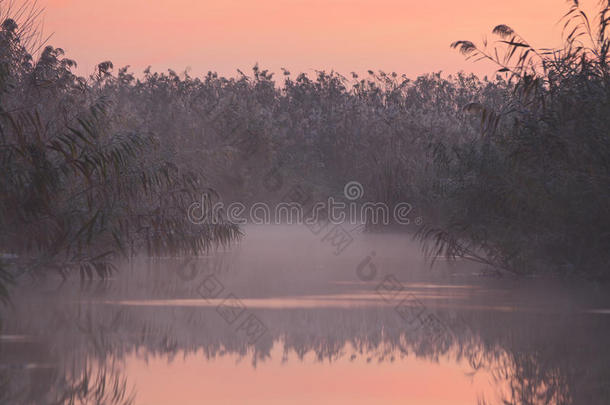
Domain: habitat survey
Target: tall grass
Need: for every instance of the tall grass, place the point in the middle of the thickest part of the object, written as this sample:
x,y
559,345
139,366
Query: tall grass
x,y
531,193
78,187
511,171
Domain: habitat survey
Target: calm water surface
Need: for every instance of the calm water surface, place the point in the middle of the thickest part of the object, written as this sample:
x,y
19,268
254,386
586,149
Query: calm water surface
x,y
281,318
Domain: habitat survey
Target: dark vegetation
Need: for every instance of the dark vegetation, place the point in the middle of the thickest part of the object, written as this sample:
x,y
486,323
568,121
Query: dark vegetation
x,y
82,182
532,192
513,172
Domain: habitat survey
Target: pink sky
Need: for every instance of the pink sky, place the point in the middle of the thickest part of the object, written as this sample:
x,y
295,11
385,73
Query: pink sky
x,y
405,36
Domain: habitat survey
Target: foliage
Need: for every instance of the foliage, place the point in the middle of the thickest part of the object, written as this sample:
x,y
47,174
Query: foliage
x,y
79,188
531,193
512,171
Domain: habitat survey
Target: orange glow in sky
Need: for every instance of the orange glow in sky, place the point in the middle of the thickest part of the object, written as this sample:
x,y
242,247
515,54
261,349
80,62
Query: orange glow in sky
x,y
405,36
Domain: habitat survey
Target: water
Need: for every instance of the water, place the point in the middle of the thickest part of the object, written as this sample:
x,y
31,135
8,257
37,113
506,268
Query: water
x,y
280,318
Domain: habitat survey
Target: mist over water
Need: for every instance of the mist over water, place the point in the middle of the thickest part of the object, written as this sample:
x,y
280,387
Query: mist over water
x,y
326,332
340,236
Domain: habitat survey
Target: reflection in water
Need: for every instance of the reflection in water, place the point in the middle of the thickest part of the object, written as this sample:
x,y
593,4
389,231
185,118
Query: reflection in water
x,y
150,336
